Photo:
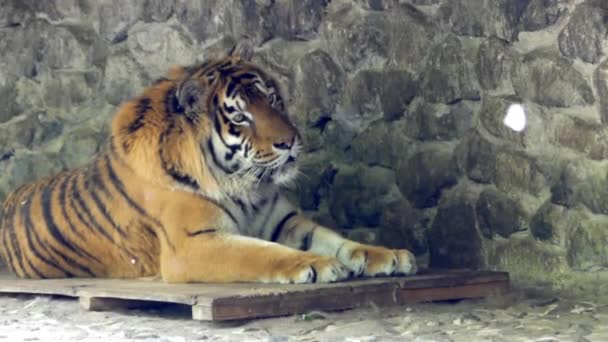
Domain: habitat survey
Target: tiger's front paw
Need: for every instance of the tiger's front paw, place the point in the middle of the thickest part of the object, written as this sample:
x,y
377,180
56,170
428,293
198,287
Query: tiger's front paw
x,y
374,261
310,269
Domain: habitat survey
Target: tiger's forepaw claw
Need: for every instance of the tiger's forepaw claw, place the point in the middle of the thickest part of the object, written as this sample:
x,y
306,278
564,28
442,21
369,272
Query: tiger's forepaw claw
x,y
315,269
373,261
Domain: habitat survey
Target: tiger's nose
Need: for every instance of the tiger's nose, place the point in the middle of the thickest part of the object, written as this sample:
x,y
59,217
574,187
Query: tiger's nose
x,y
285,144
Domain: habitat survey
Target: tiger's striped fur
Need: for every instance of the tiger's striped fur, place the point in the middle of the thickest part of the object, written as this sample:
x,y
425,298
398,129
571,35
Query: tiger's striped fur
x,y
187,189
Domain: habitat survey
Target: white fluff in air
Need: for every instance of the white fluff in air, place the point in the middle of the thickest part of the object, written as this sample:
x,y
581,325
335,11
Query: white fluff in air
x,y
516,117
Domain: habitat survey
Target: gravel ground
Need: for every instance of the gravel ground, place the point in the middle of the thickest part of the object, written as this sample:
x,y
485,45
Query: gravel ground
x,y
514,317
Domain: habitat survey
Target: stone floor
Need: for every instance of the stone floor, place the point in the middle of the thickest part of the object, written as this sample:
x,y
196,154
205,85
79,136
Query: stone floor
x,y
514,317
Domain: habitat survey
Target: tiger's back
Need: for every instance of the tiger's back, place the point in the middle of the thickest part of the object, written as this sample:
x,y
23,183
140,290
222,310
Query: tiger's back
x,y
79,223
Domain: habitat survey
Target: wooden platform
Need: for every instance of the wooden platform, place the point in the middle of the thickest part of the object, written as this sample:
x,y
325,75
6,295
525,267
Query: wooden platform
x,y
214,302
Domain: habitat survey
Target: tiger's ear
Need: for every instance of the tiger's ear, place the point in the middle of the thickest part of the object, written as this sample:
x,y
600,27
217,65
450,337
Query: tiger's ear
x,y
242,50
189,95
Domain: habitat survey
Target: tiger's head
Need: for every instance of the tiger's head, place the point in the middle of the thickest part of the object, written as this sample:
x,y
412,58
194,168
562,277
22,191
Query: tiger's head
x,y
251,140
235,115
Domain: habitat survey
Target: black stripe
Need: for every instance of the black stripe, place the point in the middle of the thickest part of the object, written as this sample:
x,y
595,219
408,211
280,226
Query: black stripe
x,y
255,208
92,223
314,275
306,242
241,204
143,105
5,224
234,130
224,65
145,254
248,146
114,153
276,233
141,108
71,262
85,216
183,179
19,255
103,210
13,240
148,229
147,251
73,204
202,231
244,76
46,202
229,71
38,273
231,88
6,255
218,129
63,205
203,67
30,231
170,169
12,245
120,187
94,175
340,248
228,109
216,123
233,148
216,203
215,160
275,198
3,244
46,249
172,105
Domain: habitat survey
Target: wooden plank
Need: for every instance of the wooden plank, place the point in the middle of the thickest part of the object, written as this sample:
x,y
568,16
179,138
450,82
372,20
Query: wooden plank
x,y
109,304
408,296
147,291
61,287
377,292
239,301
348,296
453,278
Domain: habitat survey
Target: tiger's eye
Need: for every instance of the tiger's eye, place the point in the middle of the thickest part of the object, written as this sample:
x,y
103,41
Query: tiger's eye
x,y
239,118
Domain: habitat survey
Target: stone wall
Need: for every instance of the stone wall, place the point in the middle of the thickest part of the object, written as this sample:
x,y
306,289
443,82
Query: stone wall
x,y
401,103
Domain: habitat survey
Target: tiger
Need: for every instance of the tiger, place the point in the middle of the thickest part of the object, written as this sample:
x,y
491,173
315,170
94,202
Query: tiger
x,y
187,189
